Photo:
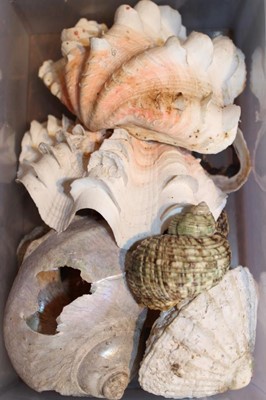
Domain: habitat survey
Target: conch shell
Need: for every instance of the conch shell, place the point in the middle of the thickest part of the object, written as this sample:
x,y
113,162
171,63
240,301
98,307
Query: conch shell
x,y
71,324
166,270
53,155
206,347
138,77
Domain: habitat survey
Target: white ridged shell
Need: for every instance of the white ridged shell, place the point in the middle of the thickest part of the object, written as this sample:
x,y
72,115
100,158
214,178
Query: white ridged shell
x,y
136,186
53,155
206,347
143,73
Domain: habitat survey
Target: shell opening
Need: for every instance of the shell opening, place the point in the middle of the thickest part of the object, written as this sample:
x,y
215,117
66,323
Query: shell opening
x,y
59,288
225,163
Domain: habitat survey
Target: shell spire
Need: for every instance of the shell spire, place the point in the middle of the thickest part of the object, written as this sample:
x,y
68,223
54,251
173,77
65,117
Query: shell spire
x,y
195,221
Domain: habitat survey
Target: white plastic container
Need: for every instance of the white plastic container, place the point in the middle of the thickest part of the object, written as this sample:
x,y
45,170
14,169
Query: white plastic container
x,y
29,34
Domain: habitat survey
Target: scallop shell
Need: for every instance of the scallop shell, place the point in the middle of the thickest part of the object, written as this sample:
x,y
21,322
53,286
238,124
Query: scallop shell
x,y
206,347
53,155
74,334
134,30
166,270
131,80
137,186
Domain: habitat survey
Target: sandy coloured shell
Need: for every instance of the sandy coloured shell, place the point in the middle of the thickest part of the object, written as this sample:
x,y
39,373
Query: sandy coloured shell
x,y
71,324
206,347
166,270
141,75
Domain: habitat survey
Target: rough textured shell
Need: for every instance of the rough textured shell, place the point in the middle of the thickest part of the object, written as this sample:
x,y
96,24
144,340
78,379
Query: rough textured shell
x,y
53,155
137,186
196,221
91,347
165,270
206,347
129,79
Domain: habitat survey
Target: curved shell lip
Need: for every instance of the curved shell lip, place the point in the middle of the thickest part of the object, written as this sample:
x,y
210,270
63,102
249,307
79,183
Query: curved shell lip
x,y
234,183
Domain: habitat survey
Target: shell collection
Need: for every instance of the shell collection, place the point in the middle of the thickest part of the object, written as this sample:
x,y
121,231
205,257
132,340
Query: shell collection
x,y
146,96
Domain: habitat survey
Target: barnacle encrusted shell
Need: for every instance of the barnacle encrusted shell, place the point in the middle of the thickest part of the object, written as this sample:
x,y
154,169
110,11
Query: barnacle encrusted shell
x,y
206,347
53,155
141,75
91,58
166,270
78,335
137,186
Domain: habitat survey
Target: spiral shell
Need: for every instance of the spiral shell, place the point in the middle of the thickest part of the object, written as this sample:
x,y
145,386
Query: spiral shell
x,y
165,270
71,324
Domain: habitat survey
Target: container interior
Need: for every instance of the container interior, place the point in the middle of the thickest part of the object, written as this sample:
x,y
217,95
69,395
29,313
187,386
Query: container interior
x,y
29,34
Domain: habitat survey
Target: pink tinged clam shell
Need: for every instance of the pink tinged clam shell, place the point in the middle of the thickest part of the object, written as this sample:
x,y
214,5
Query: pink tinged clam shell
x,y
88,64
161,89
53,155
137,186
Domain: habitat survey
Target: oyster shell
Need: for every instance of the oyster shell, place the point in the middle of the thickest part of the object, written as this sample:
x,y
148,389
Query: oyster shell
x,y
206,347
53,155
137,186
166,270
74,334
87,64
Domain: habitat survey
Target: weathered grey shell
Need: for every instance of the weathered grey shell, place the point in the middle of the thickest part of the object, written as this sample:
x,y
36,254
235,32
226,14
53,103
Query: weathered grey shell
x,y
206,347
167,269
78,335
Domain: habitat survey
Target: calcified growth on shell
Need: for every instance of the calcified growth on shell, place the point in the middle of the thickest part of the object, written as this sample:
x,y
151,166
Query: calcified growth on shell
x,y
144,73
206,347
53,155
77,325
166,270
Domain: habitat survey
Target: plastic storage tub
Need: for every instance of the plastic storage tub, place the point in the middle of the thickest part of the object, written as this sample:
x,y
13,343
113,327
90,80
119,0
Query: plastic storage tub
x,y
29,34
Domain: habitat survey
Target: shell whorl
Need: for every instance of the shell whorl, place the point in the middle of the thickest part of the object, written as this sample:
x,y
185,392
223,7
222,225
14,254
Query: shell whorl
x,y
195,221
166,270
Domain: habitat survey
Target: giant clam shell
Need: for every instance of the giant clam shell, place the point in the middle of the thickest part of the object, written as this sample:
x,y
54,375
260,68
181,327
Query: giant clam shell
x,y
76,335
137,186
140,74
206,347
53,155
166,270
90,58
